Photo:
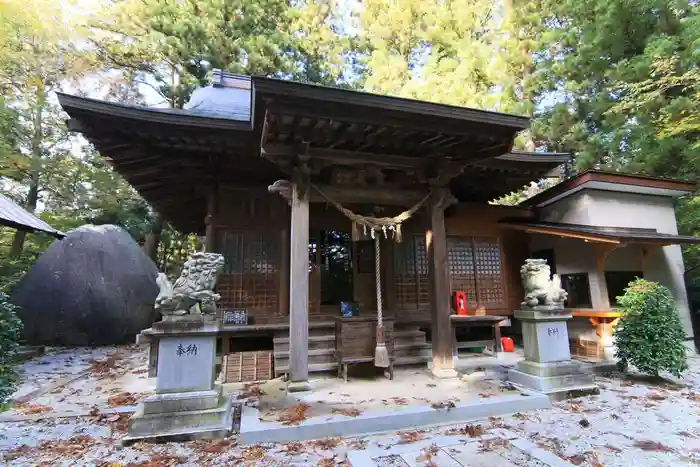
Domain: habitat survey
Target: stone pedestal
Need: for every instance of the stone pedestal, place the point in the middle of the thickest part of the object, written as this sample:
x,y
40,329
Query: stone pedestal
x,y
187,404
548,367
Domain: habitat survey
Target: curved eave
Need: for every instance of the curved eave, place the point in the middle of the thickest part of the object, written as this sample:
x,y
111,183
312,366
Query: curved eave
x,y
171,117
278,87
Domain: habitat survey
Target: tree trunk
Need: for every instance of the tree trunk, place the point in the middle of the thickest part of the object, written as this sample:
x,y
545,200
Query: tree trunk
x,y
33,194
150,245
20,235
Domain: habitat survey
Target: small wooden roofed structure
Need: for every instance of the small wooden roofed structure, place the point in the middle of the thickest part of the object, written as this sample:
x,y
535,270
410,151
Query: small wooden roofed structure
x,y
610,181
206,168
12,215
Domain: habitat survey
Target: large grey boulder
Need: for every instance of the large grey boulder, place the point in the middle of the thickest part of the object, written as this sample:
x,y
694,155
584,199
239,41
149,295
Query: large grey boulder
x,y
94,287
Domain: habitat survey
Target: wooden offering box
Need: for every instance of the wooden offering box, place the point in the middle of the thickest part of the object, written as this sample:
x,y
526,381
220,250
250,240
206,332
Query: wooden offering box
x,y
356,341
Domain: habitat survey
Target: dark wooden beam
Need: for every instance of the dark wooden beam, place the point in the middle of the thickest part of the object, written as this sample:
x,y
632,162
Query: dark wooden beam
x,y
383,117
368,195
344,157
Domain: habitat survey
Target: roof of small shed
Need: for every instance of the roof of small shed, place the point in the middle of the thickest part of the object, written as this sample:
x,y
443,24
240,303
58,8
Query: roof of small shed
x,y
12,215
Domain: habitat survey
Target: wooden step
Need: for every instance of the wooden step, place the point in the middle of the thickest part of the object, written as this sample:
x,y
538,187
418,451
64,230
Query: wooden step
x,y
285,340
313,367
285,353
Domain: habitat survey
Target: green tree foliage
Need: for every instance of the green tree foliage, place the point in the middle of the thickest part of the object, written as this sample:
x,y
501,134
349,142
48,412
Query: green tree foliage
x,y
171,45
443,51
650,335
592,58
10,327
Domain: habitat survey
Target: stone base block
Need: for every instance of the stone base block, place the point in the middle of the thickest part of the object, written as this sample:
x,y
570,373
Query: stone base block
x,y
181,401
298,386
444,373
551,369
558,386
211,423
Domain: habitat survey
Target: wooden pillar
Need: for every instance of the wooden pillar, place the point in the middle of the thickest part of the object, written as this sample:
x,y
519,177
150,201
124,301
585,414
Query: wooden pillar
x,y
299,290
284,280
210,219
441,329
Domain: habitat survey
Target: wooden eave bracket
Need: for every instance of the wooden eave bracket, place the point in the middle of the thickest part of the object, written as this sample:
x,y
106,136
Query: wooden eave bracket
x,y
602,252
647,251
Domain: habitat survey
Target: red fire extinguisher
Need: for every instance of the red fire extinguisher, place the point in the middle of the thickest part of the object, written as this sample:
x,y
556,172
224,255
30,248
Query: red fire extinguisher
x,y
459,302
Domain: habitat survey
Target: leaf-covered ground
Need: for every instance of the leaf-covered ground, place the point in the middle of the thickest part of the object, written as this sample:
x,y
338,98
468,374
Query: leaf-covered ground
x,y
633,422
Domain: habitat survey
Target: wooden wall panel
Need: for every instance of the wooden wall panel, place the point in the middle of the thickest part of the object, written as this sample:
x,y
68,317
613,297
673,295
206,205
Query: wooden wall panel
x,y
257,220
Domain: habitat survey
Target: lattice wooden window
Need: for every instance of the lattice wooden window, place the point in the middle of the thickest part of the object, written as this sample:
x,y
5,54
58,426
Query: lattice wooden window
x,y
460,260
475,267
489,273
250,277
411,272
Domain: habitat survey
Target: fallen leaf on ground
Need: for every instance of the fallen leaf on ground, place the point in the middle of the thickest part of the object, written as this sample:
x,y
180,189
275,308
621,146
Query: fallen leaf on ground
x,y
215,447
647,445
520,416
327,462
612,448
113,418
103,367
351,412
408,437
485,395
69,447
295,414
293,448
122,399
251,390
19,451
443,405
254,453
428,453
472,431
487,445
656,397
139,372
327,444
31,409
159,460
358,445
400,400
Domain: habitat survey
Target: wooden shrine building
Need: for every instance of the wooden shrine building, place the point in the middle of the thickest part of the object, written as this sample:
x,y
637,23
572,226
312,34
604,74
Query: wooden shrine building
x,y
289,263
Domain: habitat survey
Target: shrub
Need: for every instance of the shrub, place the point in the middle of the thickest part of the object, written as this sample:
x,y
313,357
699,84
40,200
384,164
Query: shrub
x,y
650,335
10,326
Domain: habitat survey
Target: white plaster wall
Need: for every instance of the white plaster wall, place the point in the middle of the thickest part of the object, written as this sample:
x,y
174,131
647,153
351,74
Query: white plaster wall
x,y
574,256
606,208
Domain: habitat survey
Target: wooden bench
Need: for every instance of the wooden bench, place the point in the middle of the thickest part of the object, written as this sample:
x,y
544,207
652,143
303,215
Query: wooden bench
x,y
356,341
604,322
472,321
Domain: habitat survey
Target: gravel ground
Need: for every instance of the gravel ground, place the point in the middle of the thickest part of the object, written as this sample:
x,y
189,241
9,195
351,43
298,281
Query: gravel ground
x,y
633,422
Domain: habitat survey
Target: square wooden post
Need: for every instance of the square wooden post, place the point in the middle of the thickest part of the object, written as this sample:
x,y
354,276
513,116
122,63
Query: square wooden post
x,y
210,219
441,329
299,290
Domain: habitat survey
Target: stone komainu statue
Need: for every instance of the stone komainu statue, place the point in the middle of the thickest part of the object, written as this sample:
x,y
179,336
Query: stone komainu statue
x,y
193,291
540,290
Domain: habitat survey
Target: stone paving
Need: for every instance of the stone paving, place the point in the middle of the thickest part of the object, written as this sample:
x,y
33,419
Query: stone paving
x,y
634,422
